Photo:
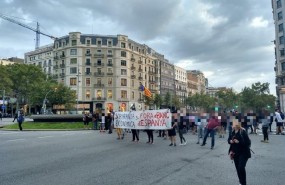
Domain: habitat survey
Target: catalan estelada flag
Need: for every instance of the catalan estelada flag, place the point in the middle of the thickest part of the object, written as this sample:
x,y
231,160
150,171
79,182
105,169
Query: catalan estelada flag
x,y
146,91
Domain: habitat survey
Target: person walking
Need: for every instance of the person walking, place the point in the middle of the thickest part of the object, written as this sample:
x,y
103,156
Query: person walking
x,y
239,150
150,136
1,116
213,124
265,121
279,122
20,120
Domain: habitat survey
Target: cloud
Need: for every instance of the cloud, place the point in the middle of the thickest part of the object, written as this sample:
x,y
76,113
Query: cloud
x,y
228,40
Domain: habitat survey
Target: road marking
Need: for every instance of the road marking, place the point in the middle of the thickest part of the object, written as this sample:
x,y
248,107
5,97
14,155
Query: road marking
x,y
15,140
42,137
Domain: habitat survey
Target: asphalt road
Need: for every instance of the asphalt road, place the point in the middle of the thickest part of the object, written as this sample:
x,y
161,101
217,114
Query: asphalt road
x,y
90,157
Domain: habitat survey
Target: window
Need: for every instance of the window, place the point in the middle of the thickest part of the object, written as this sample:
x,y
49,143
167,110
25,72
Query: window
x,y
123,72
109,94
123,54
110,81
73,61
99,93
88,42
280,27
109,43
123,63
133,95
124,94
110,70
87,51
110,61
99,42
88,61
73,43
72,81
88,70
73,51
279,4
99,81
87,81
99,51
283,66
123,45
133,83
110,52
73,70
280,16
281,40
123,82
282,52
87,94
99,62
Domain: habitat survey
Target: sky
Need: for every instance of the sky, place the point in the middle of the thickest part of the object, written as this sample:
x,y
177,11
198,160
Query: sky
x,y
230,41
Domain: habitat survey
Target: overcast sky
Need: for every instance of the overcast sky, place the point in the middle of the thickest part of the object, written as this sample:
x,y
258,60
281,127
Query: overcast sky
x,y
228,40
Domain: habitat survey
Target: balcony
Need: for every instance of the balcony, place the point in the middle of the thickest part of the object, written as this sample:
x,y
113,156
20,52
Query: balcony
x,y
140,62
123,99
87,63
99,85
62,65
99,99
55,58
110,73
98,64
99,55
110,64
62,56
88,73
99,74
62,74
87,54
55,66
109,55
140,100
133,76
140,78
133,59
152,81
151,72
140,70
133,68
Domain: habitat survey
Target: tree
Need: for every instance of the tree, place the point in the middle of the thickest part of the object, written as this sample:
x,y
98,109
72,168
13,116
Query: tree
x,y
6,83
227,99
167,100
157,100
176,102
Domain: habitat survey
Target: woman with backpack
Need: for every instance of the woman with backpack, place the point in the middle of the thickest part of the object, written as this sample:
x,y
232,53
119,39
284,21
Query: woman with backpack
x,y
239,150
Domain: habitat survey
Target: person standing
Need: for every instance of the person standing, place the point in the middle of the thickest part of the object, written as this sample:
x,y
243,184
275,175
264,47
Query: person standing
x,y
86,120
213,124
1,116
20,120
109,123
279,122
239,150
172,131
181,130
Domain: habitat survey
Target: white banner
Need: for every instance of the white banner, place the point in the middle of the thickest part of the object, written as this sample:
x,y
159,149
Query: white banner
x,y
143,120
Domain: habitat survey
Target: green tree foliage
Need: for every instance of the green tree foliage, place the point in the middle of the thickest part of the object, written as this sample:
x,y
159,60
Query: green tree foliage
x,y
157,100
201,101
167,101
227,99
5,82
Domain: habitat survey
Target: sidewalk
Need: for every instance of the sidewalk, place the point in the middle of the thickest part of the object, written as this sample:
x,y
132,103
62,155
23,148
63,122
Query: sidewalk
x,y
9,121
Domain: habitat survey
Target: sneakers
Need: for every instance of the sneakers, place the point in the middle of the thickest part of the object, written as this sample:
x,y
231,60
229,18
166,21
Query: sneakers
x,y
174,144
181,144
185,143
171,144
202,144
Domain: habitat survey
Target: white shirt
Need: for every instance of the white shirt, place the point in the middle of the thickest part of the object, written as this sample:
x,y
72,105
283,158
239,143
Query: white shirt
x,y
278,117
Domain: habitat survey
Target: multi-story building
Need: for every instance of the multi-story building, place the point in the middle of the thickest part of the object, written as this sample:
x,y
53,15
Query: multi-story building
x,y
181,83
167,77
278,7
12,60
196,82
211,91
105,71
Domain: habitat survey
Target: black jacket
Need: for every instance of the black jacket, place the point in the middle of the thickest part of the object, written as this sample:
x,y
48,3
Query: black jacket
x,y
243,147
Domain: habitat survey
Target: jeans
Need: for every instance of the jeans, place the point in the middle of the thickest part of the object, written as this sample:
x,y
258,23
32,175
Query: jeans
x,y
200,133
20,125
212,134
240,163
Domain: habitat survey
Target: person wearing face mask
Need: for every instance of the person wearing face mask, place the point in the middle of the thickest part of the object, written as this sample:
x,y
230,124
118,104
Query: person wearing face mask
x,y
239,150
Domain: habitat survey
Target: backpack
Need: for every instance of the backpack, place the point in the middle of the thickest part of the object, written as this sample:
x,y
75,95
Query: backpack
x,y
20,119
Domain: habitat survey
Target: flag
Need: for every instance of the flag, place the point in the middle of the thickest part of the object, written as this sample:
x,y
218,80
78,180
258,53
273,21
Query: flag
x,y
146,91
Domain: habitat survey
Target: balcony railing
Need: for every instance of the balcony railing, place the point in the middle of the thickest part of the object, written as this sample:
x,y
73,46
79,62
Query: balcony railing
x,y
62,74
55,66
99,55
109,55
87,54
133,68
110,73
140,70
62,65
133,59
99,99
152,81
99,64
99,85
88,73
99,74
109,64
87,63
151,72
133,76
140,78
62,56
55,58
140,61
